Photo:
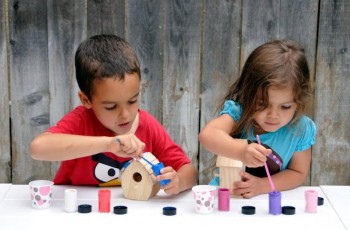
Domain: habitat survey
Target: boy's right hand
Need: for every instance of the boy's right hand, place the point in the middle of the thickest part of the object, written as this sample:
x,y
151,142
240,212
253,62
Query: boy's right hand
x,y
127,145
255,155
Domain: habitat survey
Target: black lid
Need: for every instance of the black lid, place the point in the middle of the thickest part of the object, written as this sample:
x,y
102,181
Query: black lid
x,y
169,211
320,201
288,210
120,210
248,210
84,208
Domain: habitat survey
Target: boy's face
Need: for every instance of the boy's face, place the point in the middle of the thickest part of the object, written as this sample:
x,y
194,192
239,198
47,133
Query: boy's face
x,y
115,102
279,112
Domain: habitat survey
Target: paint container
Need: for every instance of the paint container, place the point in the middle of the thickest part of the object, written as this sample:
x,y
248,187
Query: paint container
x,y
275,207
70,200
224,199
104,200
311,198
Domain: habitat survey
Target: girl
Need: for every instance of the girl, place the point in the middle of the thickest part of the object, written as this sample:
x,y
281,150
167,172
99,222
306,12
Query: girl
x,y
268,100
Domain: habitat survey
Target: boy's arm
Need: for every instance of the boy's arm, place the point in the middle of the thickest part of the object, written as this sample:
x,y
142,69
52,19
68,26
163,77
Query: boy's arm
x,y
60,147
188,177
181,180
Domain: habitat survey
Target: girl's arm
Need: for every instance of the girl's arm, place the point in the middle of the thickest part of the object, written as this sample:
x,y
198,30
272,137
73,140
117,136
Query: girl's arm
x,y
290,178
60,147
296,172
215,137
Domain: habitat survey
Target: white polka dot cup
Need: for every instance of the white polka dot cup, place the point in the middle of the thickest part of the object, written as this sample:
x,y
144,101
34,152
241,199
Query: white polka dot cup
x,y
204,196
40,193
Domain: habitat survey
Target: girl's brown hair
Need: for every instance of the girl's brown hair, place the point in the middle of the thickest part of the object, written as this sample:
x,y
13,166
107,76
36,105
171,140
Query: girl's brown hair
x,y
280,63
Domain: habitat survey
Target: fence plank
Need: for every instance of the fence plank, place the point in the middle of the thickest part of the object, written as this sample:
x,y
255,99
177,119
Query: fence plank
x,y
221,40
106,17
145,34
65,17
29,85
332,152
5,152
260,23
182,73
184,49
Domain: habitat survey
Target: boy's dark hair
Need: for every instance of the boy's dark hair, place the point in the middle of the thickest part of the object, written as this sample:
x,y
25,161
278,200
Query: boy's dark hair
x,y
104,56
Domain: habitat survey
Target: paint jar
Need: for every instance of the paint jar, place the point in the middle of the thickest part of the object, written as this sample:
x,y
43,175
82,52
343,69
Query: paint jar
x,y
104,200
70,200
224,199
311,198
275,207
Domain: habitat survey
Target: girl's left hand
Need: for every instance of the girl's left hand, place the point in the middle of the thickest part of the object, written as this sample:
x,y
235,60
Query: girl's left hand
x,y
248,187
174,185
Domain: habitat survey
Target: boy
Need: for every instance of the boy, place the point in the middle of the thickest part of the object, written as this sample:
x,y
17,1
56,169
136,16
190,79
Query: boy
x,y
97,138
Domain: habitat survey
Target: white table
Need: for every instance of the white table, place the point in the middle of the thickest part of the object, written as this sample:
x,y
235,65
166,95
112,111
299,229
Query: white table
x,y
4,188
339,198
16,212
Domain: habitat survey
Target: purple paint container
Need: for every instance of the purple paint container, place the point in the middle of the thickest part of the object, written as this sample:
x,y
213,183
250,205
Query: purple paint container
x,y
275,207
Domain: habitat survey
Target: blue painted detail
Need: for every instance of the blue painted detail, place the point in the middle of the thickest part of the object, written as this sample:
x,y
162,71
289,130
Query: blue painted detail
x,y
156,170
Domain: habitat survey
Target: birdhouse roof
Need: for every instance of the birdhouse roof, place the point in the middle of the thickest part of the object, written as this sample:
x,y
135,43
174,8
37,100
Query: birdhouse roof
x,y
227,162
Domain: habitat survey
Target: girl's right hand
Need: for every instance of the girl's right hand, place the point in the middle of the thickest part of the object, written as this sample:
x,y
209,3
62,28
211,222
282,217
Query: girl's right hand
x,y
255,155
127,145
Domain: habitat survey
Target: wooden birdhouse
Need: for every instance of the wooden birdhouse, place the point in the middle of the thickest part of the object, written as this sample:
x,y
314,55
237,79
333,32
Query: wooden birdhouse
x,y
229,171
138,179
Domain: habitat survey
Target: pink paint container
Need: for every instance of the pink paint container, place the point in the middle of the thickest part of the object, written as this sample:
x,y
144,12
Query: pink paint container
x,y
311,198
224,199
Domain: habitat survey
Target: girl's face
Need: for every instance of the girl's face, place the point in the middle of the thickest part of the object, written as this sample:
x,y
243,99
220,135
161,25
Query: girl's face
x,y
279,112
115,102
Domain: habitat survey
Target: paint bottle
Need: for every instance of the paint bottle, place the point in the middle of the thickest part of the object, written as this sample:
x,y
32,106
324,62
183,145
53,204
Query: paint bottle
x,y
311,198
224,199
70,200
275,207
104,200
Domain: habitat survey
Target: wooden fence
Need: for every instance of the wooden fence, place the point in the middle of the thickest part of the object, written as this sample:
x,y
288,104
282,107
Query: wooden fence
x,y
190,51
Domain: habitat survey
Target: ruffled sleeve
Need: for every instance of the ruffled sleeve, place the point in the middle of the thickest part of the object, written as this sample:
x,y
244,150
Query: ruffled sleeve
x,y
233,109
309,134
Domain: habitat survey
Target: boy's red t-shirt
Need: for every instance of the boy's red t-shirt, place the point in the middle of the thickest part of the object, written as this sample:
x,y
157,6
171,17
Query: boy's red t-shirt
x,y
102,168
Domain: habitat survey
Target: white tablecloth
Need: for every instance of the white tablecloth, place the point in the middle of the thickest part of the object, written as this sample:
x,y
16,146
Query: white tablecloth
x,y
339,198
16,212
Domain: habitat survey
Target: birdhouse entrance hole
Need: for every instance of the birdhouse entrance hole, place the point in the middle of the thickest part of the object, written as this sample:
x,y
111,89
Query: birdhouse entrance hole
x,y
137,177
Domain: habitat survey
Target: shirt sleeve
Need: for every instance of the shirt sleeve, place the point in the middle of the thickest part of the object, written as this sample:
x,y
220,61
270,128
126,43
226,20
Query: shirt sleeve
x,y
309,134
233,109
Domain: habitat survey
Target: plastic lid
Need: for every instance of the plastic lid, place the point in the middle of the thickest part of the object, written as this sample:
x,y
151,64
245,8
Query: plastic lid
x,y
84,208
248,210
288,210
320,201
169,211
120,210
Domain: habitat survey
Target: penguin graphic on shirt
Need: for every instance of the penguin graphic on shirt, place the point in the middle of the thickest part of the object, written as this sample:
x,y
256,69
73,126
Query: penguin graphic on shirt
x,y
107,170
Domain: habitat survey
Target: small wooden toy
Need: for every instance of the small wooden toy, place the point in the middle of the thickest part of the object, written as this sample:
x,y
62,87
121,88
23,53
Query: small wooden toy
x,y
139,180
229,171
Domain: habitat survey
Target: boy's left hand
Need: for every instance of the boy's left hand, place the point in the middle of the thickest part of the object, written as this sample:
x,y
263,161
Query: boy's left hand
x,y
249,186
174,185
